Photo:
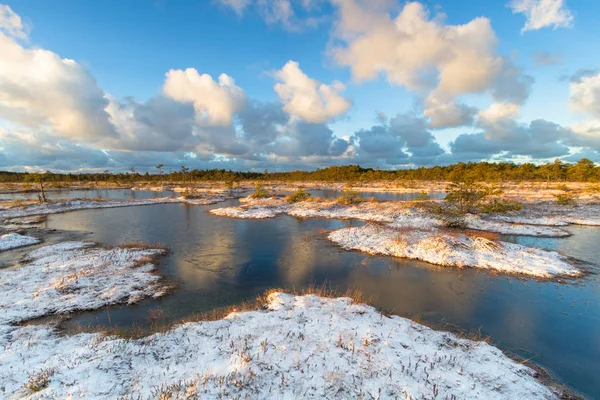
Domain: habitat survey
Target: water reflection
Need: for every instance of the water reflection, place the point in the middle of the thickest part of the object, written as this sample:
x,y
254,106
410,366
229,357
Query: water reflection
x,y
88,194
219,262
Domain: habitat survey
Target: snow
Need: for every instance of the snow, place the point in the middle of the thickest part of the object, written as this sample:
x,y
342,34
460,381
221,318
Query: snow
x,y
511,228
455,250
255,212
13,240
397,214
74,276
73,205
297,347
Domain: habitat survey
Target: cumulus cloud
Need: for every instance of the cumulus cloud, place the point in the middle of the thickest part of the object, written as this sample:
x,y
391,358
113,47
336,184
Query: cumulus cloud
x,y
11,24
503,136
37,87
498,112
585,93
543,13
403,140
424,54
215,102
307,98
449,114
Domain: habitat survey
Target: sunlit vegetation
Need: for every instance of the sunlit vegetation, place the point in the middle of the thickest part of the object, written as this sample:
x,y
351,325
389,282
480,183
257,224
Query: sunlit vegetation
x,y
300,195
556,172
350,196
260,192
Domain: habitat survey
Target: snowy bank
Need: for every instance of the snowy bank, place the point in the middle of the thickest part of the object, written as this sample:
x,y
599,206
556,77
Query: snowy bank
x,y
514,227
75,276
296,347
14,240
55,207
397,214
455,250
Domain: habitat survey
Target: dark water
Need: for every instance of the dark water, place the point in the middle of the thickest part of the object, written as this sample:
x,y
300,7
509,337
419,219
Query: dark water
x,y
220,261
92,193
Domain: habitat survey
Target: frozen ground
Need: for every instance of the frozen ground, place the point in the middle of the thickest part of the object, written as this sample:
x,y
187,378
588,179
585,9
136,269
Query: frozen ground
x,y
14,240
296,347
55,207
293,347
73,276
455,250
398,214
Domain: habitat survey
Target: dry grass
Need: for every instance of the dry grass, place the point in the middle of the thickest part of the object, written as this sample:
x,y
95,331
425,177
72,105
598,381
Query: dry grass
x,y
261,302
139,245
39,381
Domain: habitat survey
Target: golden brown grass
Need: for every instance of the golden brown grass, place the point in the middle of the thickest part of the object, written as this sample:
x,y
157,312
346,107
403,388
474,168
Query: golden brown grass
x,y
143,245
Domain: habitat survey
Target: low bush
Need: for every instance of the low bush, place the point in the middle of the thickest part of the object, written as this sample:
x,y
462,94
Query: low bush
x,y
300,195
350,196
260,192
501,206
565,199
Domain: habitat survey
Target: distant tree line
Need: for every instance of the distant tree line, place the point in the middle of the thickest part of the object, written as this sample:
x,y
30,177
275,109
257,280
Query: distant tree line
x,y
583,170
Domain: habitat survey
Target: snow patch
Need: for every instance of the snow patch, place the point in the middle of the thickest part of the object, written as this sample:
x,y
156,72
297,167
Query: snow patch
x,y
457,250
14,240
511,228
298,347
74,276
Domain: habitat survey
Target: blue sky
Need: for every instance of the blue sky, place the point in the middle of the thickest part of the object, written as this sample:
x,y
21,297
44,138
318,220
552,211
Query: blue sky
x,y
123,51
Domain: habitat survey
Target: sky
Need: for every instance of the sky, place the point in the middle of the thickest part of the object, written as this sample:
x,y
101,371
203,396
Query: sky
x,y
296,84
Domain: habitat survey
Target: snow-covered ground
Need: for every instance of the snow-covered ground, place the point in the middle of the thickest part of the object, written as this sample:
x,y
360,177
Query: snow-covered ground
x,y
54,207
398,214
508,227
74,276
455,250
293,347
14,240
297,347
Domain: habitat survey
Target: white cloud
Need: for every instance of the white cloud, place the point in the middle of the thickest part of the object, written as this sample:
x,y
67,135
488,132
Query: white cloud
x,y
236,5
499,111
448,114
543,13
291,15
585,94
11,24
215,103
307,98
424,54
37,87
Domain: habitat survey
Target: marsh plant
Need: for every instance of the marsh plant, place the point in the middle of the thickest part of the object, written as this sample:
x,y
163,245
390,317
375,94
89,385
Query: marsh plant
x,y
467,196
298,196
565,199
39,381
350,196
260,192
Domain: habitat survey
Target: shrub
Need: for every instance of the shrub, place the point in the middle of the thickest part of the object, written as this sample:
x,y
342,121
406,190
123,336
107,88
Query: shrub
x,y
300,195
422,196
594,189
260,192
350,196
467,196
501,206
565,199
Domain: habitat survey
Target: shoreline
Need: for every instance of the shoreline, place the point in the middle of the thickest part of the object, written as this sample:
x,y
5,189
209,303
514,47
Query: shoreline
x,y
283,328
